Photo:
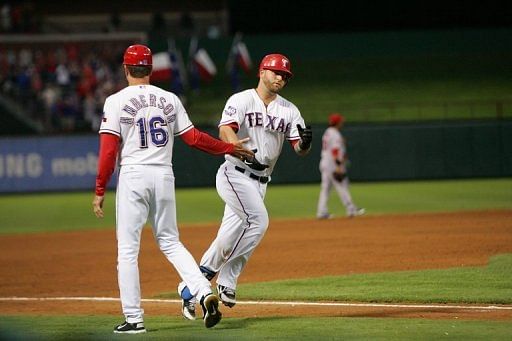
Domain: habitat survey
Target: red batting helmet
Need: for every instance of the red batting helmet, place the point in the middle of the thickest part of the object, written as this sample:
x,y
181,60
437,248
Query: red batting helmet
x,y
138,55
276,62
335,118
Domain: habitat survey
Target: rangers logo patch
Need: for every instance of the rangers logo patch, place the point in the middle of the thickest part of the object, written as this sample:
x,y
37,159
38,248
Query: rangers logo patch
x,y
230,111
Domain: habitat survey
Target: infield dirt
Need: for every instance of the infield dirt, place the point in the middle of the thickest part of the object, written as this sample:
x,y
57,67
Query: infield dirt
x,y
83,264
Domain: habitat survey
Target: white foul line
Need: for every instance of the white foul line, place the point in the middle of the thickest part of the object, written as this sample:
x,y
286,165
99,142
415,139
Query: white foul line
x,y
284,303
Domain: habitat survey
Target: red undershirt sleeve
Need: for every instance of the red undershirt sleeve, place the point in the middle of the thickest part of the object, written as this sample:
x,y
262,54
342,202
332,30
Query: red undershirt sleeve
x,y
204,142
109,146
233,126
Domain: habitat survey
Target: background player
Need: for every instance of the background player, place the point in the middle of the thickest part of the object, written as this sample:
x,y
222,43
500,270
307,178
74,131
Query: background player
x,y
140,123
268,120
333,166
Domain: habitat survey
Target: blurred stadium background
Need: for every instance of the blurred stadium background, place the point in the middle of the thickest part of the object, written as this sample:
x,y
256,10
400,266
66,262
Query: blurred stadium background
x,y
426,88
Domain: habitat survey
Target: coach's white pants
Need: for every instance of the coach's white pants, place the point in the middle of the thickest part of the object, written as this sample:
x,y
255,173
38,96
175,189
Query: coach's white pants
x,y
146,193
341,188
243,226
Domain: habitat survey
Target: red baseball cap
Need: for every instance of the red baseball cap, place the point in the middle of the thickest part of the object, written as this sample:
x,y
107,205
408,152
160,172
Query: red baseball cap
x,y
335,118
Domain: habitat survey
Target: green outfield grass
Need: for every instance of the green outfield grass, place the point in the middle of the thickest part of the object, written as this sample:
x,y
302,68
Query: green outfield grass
x,y
270,328
72,211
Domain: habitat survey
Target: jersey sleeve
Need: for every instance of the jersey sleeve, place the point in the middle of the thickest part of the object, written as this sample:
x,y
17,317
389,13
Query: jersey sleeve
x,y
109,146
233,113
293,133
110,123
182,122
202,141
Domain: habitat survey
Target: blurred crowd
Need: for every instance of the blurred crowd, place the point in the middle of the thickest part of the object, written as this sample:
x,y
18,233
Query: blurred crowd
x,y
63,87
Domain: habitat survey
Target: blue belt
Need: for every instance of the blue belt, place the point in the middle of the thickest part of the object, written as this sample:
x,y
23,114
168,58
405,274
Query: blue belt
x,y
262,179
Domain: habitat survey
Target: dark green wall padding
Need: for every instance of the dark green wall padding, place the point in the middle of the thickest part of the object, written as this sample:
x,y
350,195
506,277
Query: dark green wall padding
x,y
459,149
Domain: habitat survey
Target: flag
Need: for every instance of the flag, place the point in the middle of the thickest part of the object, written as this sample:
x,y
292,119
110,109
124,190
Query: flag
x,y
178,80
205,65
168,69
243,57
162,67
200,66
238,58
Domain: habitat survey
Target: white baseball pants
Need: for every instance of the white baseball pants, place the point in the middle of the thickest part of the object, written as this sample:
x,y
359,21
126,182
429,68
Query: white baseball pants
x,y
146,193
243,226
341,188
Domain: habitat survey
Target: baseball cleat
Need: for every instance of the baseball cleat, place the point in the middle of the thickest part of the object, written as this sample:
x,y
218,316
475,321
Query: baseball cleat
x,y
188,302
227,295
211,313
357,212
324,216
188,309
130,328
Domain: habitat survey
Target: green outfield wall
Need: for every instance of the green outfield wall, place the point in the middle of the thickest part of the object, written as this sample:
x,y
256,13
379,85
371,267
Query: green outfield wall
x,y
383,152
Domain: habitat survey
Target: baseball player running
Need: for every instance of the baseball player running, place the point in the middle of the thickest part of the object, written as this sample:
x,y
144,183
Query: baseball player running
x,y
268,119
333,166
138,129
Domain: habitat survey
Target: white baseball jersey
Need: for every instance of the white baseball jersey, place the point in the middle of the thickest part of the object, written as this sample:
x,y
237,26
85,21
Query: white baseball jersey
x,y
332,140
267,127
145,117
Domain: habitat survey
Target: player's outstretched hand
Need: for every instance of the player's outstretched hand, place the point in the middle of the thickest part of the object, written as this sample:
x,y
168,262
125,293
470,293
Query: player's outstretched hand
x,y
97,205
306,137
240,152
254,163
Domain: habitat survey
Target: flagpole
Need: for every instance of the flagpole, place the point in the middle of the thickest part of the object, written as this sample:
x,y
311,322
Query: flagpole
x,y
192,68
178,79
181,66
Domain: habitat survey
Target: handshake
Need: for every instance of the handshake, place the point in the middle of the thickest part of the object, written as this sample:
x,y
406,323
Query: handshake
x,y
253,163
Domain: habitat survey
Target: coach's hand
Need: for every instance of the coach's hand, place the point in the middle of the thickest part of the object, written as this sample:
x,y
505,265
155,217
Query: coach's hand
x,y
97,205
240,151
306,137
